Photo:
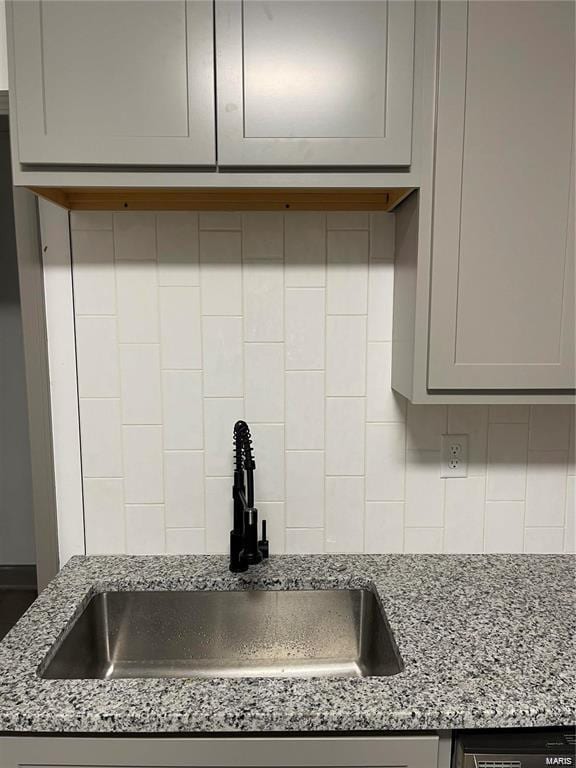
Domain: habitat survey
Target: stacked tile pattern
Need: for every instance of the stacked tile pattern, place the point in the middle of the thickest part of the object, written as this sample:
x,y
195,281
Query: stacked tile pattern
x,y
187,322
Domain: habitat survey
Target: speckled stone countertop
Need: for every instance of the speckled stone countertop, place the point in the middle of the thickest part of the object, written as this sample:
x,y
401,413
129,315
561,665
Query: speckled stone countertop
x,y
487,641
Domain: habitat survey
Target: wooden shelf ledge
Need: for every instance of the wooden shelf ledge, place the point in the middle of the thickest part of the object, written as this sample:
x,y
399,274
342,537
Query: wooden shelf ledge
x,y
200,199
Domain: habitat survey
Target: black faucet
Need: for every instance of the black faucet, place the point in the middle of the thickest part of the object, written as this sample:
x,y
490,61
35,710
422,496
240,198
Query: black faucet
x,y
245,549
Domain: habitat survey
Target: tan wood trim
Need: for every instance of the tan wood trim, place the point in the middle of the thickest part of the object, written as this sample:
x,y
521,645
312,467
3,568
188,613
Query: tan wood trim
x,y
200,199
53,194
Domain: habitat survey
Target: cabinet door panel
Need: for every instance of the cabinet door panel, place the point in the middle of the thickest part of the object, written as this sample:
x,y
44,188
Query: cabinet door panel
x,y
122,82
502,304
314,82
261,751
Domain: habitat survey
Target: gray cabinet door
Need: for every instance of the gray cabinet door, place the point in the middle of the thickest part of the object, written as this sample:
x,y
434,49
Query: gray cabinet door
x,y
314,82
124,82
502,301
247,751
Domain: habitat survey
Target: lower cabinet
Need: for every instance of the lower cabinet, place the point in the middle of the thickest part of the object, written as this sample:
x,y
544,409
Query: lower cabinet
x,y
233,752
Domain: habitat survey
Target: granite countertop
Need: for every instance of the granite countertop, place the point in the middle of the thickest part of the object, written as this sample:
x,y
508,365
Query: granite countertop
x,y
487,642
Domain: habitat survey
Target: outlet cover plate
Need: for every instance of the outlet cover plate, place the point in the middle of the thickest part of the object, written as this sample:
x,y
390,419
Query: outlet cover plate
x,y
454,455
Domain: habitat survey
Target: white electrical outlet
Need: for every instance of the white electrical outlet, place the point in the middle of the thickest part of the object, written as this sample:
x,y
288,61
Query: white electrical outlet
x,y
454,450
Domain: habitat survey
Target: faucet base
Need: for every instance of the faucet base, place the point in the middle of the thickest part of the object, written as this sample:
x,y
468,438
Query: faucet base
x,y
253,558
238,562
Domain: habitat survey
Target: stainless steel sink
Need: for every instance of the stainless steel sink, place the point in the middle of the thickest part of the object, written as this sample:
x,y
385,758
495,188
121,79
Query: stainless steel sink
x,y
327,633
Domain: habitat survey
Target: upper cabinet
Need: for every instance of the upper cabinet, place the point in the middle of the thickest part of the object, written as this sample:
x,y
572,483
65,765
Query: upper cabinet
x,y
484,283
128,82
3,50
314,83
502,294
135,83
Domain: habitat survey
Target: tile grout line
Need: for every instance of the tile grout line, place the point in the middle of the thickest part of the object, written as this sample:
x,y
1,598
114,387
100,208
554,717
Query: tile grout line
x,y
202,386
158,324
443,480
367,353
284,387
325,393
122,458
526,464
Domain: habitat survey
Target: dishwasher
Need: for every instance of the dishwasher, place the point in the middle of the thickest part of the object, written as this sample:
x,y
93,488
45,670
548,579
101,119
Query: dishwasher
x,y
531,748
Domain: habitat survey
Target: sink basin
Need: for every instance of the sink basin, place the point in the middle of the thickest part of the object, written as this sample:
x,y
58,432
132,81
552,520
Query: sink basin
x,y
315,633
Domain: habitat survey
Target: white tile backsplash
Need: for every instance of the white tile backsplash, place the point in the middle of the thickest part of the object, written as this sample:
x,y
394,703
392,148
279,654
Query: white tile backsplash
x,y
504,526
263,235
305,409
547,541
182,541
346,355
305,250
549,428
572,449
101,437
137,298
305,479
341,220
263,301
384,527
570,524
223,356
382,237
425,424
180,329
304,310
507,457
344,529
188,322
104,516
220,415
275,515
345,435
270,461
91,220
464,514
424,489
380,291
145,529
383,404
220,221
264,382
347,284
423,540
304,541
182,409
97,357
508,414
385,462
177,240
143,471
546,488
184,489
134,236
93,273
220,275
471,420
218,513
140,383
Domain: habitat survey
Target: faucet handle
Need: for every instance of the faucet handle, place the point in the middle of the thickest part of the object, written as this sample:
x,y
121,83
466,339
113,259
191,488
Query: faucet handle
x,y
263,544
